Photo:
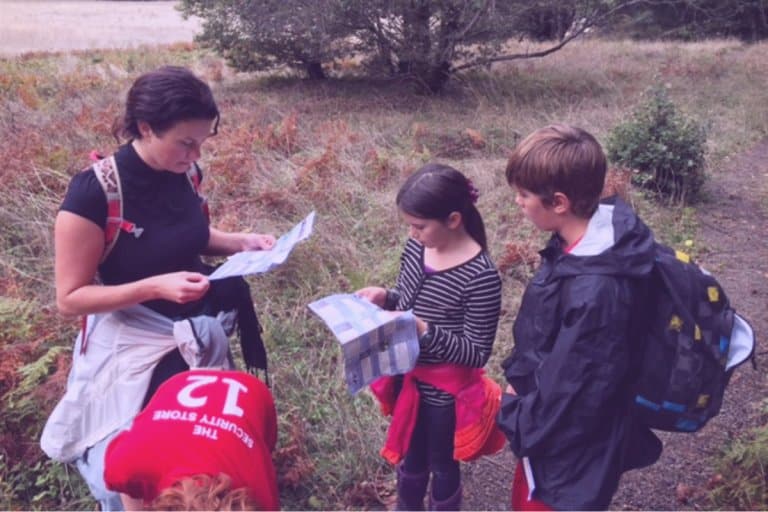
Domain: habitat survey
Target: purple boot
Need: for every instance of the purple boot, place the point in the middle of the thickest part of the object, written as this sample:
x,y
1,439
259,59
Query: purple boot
x,y
411,488
450,503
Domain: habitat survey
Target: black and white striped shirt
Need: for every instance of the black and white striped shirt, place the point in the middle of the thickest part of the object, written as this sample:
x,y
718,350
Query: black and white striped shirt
x,y
461,305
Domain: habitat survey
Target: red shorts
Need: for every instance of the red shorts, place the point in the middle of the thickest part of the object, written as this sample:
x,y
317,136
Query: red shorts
x,y
520,499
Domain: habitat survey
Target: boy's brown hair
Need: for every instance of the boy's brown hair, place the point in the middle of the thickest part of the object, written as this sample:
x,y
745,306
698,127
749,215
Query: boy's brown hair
x,y
560,158
203,492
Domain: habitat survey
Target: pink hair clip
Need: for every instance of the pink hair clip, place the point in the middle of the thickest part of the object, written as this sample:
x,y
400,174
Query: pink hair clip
x,y
473,192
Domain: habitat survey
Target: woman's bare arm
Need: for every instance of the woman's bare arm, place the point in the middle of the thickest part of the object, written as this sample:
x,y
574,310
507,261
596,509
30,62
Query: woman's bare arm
x,y
79,244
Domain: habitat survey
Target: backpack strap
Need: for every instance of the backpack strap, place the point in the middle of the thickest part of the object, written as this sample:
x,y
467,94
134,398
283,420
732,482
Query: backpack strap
x,y
194,175
109,179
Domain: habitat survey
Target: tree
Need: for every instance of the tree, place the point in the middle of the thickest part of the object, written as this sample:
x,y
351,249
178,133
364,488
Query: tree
x,y
425,40
265,34
696,19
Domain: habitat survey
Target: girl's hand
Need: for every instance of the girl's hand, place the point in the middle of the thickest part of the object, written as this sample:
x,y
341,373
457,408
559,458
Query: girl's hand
x,y
258,242
421,326
180,287
510,390
374,294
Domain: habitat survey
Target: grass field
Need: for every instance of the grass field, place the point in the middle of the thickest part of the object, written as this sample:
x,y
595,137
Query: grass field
x,y
340,147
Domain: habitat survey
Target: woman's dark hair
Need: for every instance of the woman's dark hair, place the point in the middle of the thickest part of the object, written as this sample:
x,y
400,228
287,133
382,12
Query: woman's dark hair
x,y
164,97
435,191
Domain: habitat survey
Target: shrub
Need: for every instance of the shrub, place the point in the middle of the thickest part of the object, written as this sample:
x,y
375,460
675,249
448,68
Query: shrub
x,y
664,148
740,482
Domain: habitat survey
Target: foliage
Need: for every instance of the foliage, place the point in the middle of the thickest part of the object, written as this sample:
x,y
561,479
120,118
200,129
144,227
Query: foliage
x,y
32,478
425,40
31,374
741,482
664,147
273,33
694,19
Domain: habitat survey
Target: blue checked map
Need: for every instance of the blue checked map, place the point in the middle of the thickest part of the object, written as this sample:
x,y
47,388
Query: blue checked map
x,y
374,342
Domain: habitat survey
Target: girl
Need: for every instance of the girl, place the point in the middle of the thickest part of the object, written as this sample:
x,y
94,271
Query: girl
x,y
448,279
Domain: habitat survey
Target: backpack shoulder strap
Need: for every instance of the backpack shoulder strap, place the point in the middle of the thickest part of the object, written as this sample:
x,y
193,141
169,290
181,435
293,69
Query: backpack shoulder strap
x,y
194,175
109,179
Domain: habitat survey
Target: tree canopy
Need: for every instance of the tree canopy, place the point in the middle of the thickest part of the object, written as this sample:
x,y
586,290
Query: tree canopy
x,y
429,40
695,19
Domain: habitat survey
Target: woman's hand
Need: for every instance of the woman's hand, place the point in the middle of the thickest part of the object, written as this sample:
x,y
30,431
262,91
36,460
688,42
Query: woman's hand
x,y
180,287
510,390
222,243
374,294
258,242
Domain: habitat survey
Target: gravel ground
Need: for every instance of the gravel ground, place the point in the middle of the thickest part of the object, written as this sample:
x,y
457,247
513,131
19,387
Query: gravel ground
x,y
732,239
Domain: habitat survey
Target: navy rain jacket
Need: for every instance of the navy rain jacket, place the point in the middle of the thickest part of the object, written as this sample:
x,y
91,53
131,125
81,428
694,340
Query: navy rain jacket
x,y
572,365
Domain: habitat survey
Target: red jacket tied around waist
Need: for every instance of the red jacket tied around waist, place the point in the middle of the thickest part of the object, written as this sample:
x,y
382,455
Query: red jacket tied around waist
x,y
477,397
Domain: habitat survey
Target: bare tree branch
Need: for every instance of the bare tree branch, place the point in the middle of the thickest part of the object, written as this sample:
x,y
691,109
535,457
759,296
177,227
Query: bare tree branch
x,y
589,21
516,56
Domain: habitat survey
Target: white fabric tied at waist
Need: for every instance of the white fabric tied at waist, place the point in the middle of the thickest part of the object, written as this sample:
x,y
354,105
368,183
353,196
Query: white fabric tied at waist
x,y
107,384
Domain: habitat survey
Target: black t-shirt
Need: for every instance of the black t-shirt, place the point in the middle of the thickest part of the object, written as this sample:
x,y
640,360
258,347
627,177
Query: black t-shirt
x,y
165,206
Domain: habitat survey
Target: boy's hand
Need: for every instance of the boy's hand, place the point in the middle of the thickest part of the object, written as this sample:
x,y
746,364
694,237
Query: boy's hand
x,y
510,390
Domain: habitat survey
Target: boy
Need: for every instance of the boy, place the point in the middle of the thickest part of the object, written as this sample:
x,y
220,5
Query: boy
x,y
566,409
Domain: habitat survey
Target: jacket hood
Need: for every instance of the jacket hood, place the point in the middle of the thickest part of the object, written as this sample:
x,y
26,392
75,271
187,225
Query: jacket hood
x,y
616,242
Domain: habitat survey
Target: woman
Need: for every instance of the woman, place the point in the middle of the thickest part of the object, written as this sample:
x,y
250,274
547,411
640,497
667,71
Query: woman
x,y
150,275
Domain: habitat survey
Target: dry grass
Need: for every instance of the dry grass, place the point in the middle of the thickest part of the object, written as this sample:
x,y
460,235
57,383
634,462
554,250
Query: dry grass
x,y
342,148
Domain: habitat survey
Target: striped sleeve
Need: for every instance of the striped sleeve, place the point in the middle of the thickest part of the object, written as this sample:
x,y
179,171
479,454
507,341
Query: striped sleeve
x,y
410,278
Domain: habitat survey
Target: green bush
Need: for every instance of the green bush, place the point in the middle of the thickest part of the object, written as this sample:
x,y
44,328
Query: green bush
x,y
740,482
664,148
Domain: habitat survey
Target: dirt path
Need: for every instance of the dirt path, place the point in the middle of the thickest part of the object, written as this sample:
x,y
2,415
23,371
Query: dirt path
x,y
732,235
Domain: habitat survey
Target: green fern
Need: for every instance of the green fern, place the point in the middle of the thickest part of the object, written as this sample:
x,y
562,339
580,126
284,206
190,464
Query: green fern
x,y
33,374
15,319
744,484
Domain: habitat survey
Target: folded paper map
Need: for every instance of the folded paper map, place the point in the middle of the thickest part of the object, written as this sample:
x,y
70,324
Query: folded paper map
x,y
374,342
255,262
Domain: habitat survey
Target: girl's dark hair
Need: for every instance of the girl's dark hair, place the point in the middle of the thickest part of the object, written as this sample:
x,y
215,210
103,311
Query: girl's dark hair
x,y
435,191
164,97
